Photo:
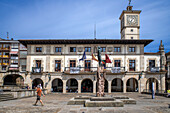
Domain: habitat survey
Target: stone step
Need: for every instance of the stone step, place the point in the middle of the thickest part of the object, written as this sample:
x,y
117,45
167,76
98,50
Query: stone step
x,y
102,99
6,97
116,103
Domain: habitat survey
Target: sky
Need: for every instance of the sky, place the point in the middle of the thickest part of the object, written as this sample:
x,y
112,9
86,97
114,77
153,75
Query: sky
x,y
75,19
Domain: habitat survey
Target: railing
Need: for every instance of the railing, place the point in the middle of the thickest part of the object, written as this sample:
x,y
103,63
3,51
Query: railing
x,y
115,69
80,69
57,69
37,69
153,69
13,68
77,70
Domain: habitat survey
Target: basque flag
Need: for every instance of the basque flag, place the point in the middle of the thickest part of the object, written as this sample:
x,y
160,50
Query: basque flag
x,y
84,56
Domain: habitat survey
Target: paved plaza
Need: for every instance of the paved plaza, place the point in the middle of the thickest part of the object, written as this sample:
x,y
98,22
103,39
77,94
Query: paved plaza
x,y
57,103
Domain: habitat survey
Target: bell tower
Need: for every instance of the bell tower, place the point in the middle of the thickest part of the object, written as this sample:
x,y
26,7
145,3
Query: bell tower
x,y
130,23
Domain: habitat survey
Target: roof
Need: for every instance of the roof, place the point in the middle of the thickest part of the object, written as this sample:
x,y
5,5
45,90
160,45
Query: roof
x,y
85,41
167,53
150,53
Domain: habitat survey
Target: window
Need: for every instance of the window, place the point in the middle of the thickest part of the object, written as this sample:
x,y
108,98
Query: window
x,y
131,49
14,45
72,49
0,45
4,67
151,64
14,61
131,30
87,49
6,46
117,49
38,63
103,49
23,67
131,37
117,63
58,49
72,63
0,53
87,65
5,61
131,65
5,53
38,49
58,65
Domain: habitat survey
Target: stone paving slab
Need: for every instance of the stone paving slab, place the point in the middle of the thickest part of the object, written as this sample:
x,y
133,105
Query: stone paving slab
x,y
57,103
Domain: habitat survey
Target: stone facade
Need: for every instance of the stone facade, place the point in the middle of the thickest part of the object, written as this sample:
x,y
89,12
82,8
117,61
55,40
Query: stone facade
x,y
49,62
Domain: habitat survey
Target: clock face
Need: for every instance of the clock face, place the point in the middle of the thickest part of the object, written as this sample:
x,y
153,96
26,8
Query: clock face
x,y
132,20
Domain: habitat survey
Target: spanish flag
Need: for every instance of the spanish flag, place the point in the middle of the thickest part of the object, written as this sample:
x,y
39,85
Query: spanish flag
x,y
94,58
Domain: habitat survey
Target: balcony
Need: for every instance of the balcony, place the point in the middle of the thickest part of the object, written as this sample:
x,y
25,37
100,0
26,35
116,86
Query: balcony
x,y
93,70
37,70
5,48
13,69
153,69
80,70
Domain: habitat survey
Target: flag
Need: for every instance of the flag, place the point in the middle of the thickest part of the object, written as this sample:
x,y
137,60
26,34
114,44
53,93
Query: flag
x,y
107,59
84,56
94,58
103,62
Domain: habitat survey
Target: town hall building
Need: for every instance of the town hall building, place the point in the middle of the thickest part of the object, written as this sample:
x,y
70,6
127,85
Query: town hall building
x,y
56,66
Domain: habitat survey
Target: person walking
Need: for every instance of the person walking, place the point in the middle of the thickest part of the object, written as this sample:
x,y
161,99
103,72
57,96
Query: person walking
x,y
39,92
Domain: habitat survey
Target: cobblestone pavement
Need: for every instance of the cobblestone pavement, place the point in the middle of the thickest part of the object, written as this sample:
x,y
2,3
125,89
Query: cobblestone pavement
x,y
57,103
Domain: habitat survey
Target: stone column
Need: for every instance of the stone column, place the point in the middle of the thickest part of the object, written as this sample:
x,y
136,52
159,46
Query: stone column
x,y
109,86
94,87
64,86
139,86
79,86
163,83
124,86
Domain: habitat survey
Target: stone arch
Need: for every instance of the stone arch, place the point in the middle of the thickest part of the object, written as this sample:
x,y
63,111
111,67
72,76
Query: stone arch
x,y
117,85
57,85
132,85
72,85
13,79
149,84
36,82
87,85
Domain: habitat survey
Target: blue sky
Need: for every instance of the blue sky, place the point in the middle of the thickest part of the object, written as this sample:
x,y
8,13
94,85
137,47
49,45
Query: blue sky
x,y
74,19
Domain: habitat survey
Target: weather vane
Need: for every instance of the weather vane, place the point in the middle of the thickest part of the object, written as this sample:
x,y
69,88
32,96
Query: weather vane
x,y
129,2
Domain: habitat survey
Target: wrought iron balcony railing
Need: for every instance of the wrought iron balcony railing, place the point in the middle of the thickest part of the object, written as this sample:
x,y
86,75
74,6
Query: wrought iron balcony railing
x,y
153,69
37,69
76,70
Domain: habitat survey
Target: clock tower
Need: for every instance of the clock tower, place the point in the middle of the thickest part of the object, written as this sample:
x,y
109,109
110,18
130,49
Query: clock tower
x,y
130,24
